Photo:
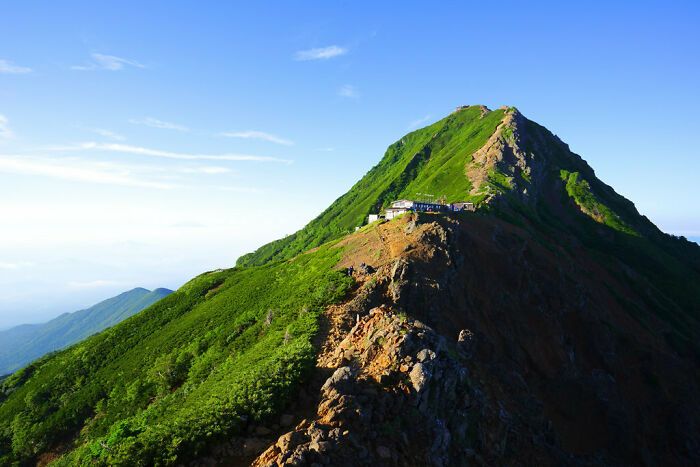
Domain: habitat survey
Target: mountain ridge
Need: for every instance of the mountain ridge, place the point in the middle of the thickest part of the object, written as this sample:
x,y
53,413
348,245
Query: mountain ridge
x,y
554,325
474,154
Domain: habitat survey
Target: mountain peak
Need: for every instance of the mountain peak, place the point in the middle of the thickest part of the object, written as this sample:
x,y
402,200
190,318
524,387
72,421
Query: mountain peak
x,y
553,326
495,159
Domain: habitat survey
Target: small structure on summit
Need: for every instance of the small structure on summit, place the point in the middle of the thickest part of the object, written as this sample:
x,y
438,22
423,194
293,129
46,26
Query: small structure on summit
x,y
403,206
464,206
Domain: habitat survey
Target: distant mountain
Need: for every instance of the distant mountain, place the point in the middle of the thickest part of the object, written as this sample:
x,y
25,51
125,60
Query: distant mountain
x,y
22,344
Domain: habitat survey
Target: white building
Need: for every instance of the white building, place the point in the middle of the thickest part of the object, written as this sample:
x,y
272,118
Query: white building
x,y
392,212
402,204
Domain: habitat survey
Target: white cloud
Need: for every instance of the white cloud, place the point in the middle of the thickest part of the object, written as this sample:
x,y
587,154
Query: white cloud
x,y
155,123
418,122
107,62
328,149
75,170
322,53
207,170
137,150
349,91
5,132
252,134
107,134
12,69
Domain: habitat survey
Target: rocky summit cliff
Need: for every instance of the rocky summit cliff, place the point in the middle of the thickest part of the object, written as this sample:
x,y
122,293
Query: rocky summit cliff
x,y
554,325
475,342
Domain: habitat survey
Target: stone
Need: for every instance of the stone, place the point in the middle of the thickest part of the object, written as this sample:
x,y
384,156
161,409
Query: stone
x,y
320,446
465,336
342,377
425,354
420,375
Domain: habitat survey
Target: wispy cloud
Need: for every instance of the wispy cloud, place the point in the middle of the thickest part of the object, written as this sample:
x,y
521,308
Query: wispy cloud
x,y
75,170
349,91
10,68
418,122
206,170
261,135
107,62
5,132
328,149
107,134
321,53
138,150
155,123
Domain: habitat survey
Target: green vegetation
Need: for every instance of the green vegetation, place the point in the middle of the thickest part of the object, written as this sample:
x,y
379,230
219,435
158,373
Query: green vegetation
x,y
231,347
228,347
580,190
429,160
500,181
22,344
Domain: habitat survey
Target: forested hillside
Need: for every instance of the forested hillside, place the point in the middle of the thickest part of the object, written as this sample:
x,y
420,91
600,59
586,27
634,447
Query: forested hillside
x,y
226,347
553,326
23,344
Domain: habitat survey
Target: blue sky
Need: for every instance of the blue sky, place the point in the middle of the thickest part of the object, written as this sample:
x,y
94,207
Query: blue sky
x,y
142,143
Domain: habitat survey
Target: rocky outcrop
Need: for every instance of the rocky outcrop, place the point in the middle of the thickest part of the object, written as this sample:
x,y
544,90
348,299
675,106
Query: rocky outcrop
x,y
505,151
397,397
472,342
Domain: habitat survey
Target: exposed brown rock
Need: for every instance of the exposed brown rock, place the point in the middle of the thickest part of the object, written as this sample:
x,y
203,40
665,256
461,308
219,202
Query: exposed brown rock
x,y
475,346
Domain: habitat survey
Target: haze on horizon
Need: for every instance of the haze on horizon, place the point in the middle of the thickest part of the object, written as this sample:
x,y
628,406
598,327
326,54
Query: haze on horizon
x,y
141,145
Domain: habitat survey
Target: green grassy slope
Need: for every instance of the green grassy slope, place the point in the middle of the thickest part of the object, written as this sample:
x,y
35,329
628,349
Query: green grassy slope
x,y
429,160
231,346
228,346
22,344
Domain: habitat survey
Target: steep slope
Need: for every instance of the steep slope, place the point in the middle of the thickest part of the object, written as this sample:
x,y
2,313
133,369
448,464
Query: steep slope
x,y
429,160
22,344
224,350
554,326
482,342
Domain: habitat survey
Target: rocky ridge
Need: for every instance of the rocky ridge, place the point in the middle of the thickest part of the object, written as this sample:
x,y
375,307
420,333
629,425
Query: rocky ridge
x,y
396,397
427,365
529,333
